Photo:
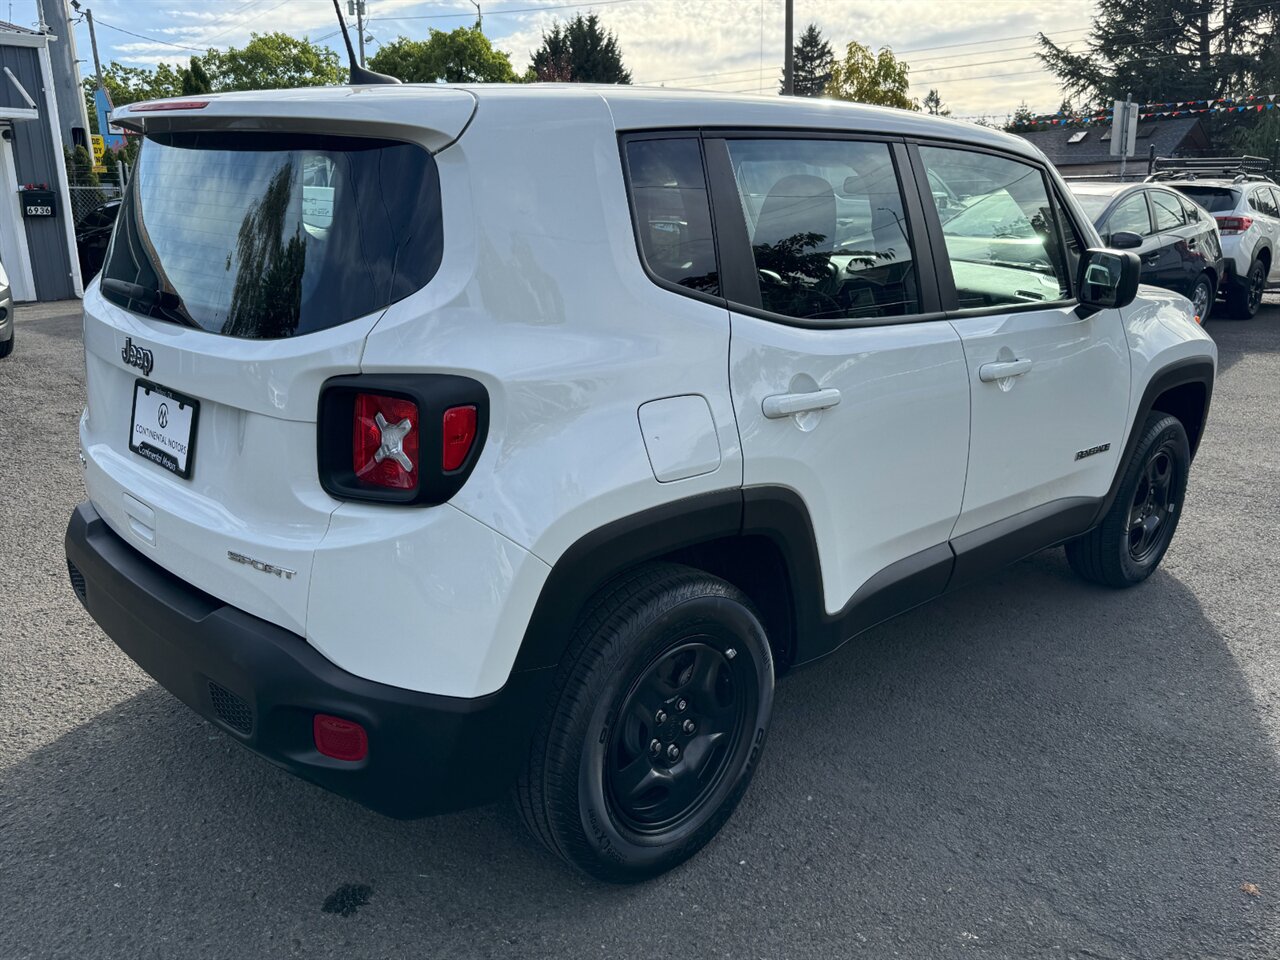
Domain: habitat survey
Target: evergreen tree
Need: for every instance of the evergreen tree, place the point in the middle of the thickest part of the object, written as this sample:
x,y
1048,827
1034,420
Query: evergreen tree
x,y
1021,119
811,64
580,51
933,104
194,79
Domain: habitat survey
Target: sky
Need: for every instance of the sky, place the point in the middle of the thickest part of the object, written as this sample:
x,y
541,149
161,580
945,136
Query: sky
x,y
977,53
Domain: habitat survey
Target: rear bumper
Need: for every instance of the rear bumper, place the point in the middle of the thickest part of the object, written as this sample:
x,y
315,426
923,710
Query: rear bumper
x,y
263,685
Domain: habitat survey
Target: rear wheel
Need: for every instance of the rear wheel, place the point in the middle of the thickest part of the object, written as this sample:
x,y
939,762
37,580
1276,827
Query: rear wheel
x,y
657,723
1244,297
6,346
1128,545
1202,298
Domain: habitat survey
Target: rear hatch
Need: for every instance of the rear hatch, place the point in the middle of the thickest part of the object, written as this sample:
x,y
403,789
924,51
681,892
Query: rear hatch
x,y
260,240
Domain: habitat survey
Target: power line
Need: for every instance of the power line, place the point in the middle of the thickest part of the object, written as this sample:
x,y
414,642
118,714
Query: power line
x,y
142,36
495,13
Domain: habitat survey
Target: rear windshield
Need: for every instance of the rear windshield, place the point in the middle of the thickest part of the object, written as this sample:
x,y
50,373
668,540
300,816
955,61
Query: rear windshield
x,y
1213,199
1093,203
264,236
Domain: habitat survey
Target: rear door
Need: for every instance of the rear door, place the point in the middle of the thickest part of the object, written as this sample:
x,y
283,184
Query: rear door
x,y
1181,260
1049,386
245,269
1133,215
848,384
1267,203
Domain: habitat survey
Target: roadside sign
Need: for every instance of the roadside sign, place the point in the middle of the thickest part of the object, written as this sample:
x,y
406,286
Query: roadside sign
x,y
99,147
1124,128
99,168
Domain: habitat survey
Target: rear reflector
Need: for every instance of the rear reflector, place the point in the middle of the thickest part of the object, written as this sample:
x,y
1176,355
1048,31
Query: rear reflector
x,y
167,105
384,441
1233,225
340,739
459,435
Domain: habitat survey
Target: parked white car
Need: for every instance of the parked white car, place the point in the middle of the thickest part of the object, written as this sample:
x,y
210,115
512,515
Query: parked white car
x,y
1248,215
6,315
450,440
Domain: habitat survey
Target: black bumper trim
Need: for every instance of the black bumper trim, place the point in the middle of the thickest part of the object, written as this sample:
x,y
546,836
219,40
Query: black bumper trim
x,y
427,753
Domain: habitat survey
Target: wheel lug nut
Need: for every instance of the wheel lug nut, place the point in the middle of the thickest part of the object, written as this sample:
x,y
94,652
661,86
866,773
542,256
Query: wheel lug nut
x,y
682,704
673,752
690,726
655,747
660,717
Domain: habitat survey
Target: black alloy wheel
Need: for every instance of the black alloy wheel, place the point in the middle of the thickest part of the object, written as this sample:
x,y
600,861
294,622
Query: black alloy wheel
x,y
1202,299
1150,513
1257,284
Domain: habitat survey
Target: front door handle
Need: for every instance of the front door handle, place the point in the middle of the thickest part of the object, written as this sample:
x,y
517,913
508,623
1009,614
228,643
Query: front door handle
x,y
782,405
991,372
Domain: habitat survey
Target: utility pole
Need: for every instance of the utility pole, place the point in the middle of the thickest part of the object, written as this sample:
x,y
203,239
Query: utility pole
x,y
93,42
355,8
479,16
788,57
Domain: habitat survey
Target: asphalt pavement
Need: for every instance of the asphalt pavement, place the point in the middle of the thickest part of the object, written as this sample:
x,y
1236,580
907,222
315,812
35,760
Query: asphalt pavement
x,y
1033,768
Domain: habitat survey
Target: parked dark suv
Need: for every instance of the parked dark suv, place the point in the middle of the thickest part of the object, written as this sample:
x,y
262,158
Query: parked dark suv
x,y
1176,239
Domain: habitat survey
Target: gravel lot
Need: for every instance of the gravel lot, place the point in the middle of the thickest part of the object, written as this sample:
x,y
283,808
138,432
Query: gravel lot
x,y
1034,768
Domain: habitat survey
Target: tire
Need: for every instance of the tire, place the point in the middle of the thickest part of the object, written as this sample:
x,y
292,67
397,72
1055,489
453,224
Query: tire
x,y
6,346
664,657
1244,297
1116,553
1202,296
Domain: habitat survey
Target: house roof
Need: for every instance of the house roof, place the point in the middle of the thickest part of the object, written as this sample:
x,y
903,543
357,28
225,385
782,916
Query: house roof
x,y
8,27
1167,135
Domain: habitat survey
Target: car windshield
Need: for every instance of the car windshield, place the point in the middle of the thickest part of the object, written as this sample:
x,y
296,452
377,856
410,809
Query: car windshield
x,y
264,235
1213,199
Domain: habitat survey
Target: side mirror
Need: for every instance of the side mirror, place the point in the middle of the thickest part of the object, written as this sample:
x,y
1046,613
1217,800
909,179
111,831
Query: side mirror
x,y
1124,240
1108,279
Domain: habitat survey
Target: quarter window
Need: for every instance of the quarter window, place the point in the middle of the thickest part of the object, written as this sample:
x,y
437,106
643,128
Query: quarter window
x,y
1167,209
1131,216
1262,202
827,227
1002,238
672,213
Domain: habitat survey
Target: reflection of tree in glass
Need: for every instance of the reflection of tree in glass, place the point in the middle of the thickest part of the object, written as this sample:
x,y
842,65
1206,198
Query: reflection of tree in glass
x,y
707,283
267,297
788,258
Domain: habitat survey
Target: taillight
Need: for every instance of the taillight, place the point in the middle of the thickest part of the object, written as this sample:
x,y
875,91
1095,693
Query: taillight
x,y
459,427
384,441
406,438
1232,225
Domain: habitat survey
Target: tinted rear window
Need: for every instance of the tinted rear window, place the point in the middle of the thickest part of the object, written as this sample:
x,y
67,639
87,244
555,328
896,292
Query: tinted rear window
x,y
263,236
1213,199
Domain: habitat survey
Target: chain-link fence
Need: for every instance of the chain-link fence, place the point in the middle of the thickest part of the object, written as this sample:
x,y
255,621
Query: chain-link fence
x,y
85,198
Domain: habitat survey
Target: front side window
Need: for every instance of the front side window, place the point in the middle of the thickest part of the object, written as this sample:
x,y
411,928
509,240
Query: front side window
x,y
1003,241
671,211
1167,209
269,235
827,227
1130,216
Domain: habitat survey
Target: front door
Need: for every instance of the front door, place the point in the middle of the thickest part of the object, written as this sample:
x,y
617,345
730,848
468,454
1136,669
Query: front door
x,y
843,393
1049,387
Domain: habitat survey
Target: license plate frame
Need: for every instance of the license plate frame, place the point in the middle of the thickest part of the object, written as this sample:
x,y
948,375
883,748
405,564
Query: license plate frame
x,y
179,458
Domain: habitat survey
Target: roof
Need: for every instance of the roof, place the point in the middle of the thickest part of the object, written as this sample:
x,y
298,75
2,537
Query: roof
x,y
632,108
1168,136
7,27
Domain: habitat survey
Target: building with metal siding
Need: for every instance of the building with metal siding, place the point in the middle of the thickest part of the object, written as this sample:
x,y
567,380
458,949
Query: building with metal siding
x,y
38,251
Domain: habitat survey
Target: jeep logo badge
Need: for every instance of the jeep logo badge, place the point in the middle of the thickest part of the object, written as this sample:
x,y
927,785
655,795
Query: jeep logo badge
x,y
139,357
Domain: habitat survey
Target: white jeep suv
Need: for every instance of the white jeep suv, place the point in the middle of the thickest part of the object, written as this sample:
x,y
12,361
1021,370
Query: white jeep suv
x,y
444,442
1248,213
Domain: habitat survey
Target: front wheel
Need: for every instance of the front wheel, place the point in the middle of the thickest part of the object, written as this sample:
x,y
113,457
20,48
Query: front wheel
x,y
656,726
1128,545
6,346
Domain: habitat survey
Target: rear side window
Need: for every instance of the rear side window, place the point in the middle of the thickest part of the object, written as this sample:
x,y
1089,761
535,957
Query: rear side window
x,y
265,235
1262,201
672,213
1003,241
1167,209
1213,199
827,227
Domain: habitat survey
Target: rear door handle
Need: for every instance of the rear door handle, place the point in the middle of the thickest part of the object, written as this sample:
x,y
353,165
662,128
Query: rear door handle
x,y
782,405
990,372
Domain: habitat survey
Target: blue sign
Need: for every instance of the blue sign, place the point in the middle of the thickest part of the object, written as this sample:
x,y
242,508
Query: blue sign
x,y
113,137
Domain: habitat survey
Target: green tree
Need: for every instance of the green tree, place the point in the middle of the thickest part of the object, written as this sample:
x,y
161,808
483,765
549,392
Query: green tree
x,y
810,64
80,172
271,61
461,56
1021,120
194,79
129,85
933,104
582,49
866,77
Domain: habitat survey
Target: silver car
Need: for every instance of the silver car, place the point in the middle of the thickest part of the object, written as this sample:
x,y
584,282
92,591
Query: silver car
x,y
6,315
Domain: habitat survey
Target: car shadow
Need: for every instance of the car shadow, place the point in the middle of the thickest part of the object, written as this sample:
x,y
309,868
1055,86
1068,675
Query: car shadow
x,y
1032,766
